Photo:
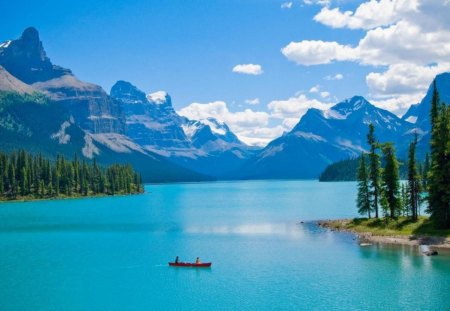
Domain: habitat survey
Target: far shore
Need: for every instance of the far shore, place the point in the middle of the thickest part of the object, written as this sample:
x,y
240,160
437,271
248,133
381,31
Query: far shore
x,y
367,235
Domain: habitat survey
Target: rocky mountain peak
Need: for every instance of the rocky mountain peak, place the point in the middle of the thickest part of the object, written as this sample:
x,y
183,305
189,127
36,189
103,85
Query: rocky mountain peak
x,y
25,58
31,36
128,93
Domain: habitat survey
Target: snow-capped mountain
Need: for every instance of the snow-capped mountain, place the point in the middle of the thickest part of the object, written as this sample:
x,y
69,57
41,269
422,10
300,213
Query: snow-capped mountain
x,y
419,114
326,136
207,146
151,120
78,118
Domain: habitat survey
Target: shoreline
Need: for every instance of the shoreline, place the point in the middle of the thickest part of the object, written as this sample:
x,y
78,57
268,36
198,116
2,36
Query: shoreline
x,y
63,198
433,242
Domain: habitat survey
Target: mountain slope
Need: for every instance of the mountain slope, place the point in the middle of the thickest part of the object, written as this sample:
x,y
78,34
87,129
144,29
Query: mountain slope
x,y
324,137
9,83
205,146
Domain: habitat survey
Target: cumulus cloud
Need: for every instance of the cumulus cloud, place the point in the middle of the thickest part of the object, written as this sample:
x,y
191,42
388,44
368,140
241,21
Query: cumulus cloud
x,y
397,104
294,107
250,69
246,124
410,32
403,79
401,36
319,2
368,15
286,5
261,136
315,89
254,101
337,76
325,94
315,52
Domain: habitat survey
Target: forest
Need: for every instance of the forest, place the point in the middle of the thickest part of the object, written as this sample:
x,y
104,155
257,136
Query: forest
x,y
380,190
28,176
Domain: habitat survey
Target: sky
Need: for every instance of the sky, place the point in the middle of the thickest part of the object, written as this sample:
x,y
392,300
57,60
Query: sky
x,y
257,65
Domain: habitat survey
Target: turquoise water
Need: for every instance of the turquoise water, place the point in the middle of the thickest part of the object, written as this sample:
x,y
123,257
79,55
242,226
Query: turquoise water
x,y
112,253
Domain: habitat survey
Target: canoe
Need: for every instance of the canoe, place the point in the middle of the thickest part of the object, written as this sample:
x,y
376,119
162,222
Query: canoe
x,y
189,264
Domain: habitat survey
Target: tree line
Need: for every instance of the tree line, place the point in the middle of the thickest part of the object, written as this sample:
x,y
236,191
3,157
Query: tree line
x,y
379,188
24,175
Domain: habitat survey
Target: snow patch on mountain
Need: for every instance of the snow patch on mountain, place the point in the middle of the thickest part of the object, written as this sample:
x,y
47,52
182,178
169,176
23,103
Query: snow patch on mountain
x,y
5,44
309,136
217,127
333,114
411,119
62,137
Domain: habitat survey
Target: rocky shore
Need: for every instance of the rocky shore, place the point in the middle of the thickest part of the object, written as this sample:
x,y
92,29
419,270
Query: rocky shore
x,y
367,237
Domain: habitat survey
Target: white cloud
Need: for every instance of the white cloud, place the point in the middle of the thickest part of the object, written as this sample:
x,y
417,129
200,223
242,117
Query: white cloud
x,y
315,52
250,69
315,89
294,107
403,36
319,2
368,15
261,136
397,104
286,5
404,79
324,94
337,76
242,123
254,101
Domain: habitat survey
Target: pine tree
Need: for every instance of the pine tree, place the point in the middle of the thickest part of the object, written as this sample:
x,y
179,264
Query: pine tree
x,y
391,180
413,180
374,170
439,175
363,198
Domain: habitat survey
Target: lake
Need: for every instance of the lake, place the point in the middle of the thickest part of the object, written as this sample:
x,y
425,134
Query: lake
x,y
112,253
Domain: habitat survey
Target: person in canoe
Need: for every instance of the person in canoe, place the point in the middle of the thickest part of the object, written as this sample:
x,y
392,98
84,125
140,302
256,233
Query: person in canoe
x,y
177,260
197,261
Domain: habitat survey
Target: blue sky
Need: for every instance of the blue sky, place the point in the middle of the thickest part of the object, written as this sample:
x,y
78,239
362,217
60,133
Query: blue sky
x,y
311,53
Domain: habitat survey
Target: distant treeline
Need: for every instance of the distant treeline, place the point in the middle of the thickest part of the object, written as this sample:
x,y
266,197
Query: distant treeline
x,y
24,175
346,170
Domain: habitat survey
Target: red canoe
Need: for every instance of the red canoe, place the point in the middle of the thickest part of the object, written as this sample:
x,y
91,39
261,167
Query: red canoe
x,y
188,264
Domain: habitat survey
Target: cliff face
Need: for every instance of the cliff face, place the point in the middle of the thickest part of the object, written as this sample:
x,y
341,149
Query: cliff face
x,y
91,107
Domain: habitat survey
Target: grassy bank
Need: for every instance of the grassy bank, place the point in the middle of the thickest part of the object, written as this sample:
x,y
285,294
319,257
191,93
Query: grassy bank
x,y
388,227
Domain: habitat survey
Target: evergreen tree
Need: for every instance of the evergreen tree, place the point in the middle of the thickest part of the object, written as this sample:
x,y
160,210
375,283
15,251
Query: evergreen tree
x,y
26,175
363,198
439,175
391,180
374,170
413,180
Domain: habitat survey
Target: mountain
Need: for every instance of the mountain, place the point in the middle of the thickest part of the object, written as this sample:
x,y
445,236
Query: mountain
x,y
206,146
10,83
323,137
67,116
26,59
419,114
151,120
92,109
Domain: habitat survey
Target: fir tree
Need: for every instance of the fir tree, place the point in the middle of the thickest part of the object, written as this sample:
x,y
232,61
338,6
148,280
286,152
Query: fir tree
x,y
413,180
374,170
363,198
391,180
